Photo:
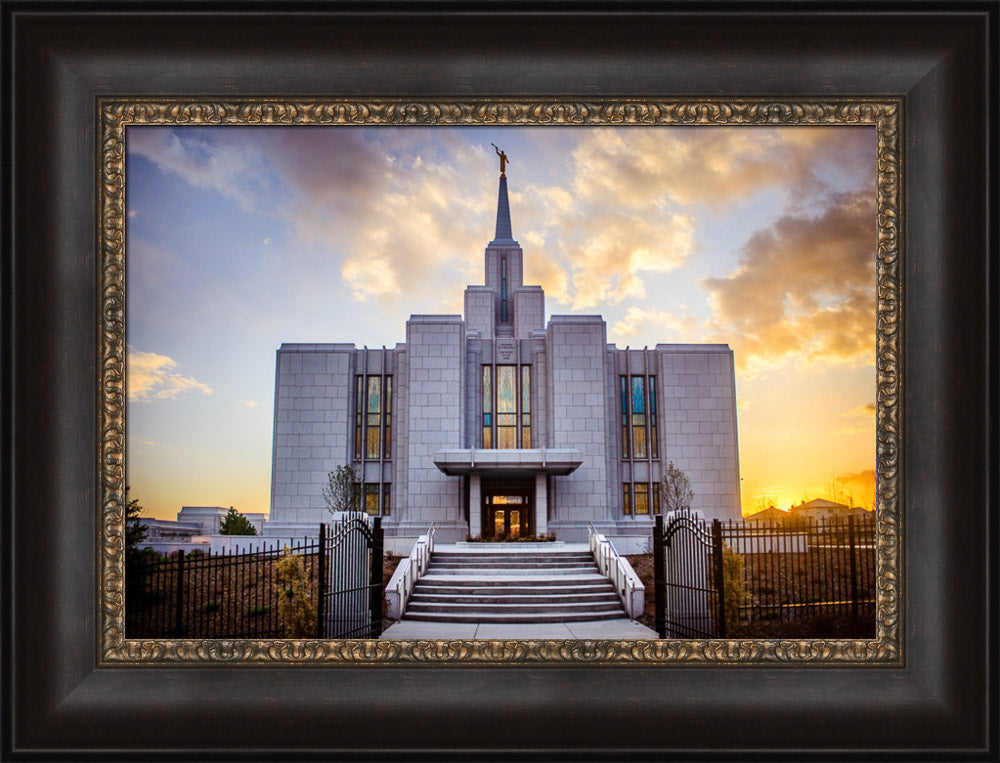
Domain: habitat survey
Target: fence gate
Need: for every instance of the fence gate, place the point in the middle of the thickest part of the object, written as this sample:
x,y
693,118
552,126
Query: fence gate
x,y
350,580
688,581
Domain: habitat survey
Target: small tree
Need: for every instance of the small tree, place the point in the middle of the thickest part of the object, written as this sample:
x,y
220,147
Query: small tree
x,y
135,532
342,491
137,562
296,611
677,493
235,523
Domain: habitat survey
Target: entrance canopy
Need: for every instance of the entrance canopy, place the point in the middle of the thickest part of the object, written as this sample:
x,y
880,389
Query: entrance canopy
x,y
510,461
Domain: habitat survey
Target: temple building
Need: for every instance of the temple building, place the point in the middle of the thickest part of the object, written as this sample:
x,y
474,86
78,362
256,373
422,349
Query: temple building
x,y
498,424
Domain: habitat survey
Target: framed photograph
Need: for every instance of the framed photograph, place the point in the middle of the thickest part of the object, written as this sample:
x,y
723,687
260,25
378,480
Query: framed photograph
x,y
99,154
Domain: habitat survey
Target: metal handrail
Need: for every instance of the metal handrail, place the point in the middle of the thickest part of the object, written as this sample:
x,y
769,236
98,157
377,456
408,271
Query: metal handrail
x,y
416,566
616,569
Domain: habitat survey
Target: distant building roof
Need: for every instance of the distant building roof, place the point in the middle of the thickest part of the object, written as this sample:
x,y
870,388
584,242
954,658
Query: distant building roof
x,y
770,514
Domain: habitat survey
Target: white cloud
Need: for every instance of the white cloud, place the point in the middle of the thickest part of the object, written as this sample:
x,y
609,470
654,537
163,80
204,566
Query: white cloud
x,y
152,376
804,288
669,326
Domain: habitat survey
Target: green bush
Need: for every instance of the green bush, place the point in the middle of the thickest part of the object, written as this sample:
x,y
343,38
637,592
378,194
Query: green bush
x,y
296,611
733,587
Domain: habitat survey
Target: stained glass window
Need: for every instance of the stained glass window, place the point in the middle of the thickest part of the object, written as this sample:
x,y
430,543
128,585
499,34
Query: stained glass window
x,y
501,396
385,498
656,497
371,498
487,407
525,406
359,416
641,498
638,428
638,417
506,407
626,503
374,416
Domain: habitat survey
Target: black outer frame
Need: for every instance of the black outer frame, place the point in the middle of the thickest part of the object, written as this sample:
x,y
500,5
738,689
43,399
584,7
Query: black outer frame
x,y
60,705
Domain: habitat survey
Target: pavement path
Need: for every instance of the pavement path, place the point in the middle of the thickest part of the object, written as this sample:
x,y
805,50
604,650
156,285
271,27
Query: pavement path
x,y
622,628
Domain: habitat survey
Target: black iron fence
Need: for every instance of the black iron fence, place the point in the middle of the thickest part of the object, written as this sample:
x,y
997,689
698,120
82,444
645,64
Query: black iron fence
x,y
238,594
732,579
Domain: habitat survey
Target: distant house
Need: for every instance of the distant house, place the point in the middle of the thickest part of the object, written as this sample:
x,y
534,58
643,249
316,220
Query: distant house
x,y
822,510
769,516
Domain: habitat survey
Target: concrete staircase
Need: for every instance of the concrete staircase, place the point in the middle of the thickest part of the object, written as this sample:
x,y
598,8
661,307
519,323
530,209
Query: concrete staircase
x,y
513,583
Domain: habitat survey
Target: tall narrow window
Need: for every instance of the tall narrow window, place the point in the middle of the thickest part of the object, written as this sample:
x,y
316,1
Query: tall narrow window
x,y
525,406
374,416
503,290
641,498
626,502
371,498
385,498
625,448
359,407
487,407
387,445
506,407
653,438
656,497
640,438
638,417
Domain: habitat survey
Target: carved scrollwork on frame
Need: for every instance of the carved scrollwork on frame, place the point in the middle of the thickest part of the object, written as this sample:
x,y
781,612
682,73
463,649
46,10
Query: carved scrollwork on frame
x,y
882,114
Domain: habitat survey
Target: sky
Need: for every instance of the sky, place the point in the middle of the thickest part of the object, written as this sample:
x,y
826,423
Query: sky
x,y
242,238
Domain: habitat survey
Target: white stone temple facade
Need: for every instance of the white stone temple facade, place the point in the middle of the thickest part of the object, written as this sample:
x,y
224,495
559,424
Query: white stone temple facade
x,y
497,423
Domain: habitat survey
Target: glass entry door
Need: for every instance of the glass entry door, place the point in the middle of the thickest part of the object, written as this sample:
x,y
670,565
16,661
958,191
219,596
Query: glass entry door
x,y
507,513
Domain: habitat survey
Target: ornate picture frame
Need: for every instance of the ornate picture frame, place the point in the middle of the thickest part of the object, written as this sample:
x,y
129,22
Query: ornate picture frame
x,y
884,116
69,678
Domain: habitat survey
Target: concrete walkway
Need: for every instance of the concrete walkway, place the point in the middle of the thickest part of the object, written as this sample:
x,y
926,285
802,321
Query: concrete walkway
x,y
622,628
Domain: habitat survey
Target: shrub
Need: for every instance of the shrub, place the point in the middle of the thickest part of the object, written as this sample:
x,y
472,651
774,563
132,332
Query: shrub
x,y
295,610
258,609
733,589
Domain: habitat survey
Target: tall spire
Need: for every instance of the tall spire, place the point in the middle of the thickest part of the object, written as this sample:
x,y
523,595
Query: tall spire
x,y
503,232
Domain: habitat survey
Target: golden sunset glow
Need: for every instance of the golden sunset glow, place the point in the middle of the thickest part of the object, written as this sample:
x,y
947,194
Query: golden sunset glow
x,y
241,239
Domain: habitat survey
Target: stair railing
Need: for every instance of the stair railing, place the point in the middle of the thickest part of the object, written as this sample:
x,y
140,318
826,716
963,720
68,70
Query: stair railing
x,y
616,568
409,571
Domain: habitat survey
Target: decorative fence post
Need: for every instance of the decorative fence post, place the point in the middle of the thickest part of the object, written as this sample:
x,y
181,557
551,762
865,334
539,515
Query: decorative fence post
x,y
720,576
854,567
660,578
375,594
321,584
179,611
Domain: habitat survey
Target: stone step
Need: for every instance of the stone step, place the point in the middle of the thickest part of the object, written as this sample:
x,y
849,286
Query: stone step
x,y
503,557
478,589
489,617
516,577
539,572
518,565
512,609
513,586
512,598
